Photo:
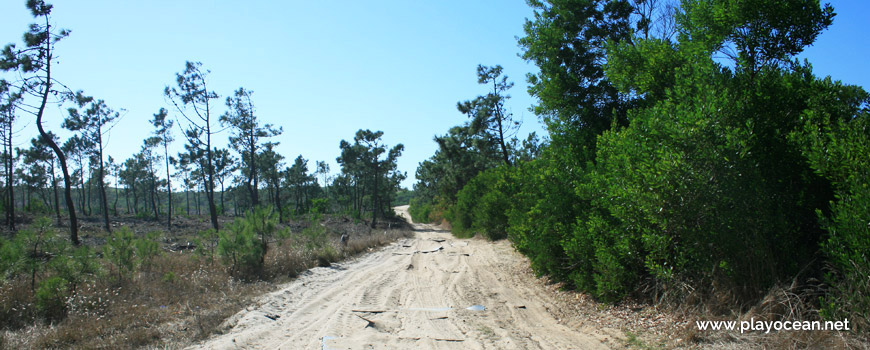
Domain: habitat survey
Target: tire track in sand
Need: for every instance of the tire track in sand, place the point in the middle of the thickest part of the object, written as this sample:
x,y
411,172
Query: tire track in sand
x,y
412,294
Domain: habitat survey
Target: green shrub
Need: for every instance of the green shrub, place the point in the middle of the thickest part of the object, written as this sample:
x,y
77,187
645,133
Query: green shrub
x,y
120,252
143,215
169,277
319,205
55,268
327,255
542,215
461,214
490,215
847,249
239,248
244,243
36,245
69,268
10,257
482,205
837,144
419,210
75,265
51,298
703,187
147,249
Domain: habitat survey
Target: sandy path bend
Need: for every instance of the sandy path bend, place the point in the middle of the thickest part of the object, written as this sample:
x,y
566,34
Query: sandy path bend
x,y
413,294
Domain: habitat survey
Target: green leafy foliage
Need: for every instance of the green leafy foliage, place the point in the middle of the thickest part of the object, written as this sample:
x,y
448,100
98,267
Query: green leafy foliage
x,y
239,248
120,252
53,266
404,197
369,174
667,168
37,245
319,206
51,298
835,138
567,40
481,206
75,265
244,243
36,207
147,249
542,218
10,254
420,210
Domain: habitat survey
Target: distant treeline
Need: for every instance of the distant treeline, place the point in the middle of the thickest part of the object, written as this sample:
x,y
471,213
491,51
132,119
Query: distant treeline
x,y
213,180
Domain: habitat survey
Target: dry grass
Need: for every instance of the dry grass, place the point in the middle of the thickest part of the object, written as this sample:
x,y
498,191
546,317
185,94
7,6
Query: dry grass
x,y
668,322
181,298
795,302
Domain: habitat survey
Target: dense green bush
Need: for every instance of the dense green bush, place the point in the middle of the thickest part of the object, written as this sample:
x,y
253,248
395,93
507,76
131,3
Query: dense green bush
x,y
76,265
419,210
243,244
702,187
674,173
54,267
683,196
51,298
32,248
836,141
37,207
543,213
120,252
319,205
9,255
482,205
240,250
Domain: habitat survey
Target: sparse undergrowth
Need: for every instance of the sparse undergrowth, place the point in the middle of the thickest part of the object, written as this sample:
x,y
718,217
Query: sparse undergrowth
x,y
138,291
669,325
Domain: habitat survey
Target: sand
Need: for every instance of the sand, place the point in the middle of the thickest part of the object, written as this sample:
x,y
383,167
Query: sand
x,y
430,292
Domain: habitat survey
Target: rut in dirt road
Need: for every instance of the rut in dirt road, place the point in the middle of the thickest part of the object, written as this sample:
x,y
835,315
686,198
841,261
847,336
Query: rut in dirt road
x,y
430,292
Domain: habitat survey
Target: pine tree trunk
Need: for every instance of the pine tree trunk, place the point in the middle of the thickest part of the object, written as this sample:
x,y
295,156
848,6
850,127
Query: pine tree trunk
x,y
73,221
115,205
127,199
135,200
375,196
103,186
56,196
223,208
154,196
91,177
168,186
278,200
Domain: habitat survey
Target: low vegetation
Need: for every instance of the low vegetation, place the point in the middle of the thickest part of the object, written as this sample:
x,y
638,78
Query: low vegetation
x,y
161,248
138,290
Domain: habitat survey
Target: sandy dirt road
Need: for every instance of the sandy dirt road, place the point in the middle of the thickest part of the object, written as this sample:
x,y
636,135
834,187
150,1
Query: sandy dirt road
x,y
430,292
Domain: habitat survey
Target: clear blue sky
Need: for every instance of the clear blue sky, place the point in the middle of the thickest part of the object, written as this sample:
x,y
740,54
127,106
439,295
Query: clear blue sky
x,y
324,69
